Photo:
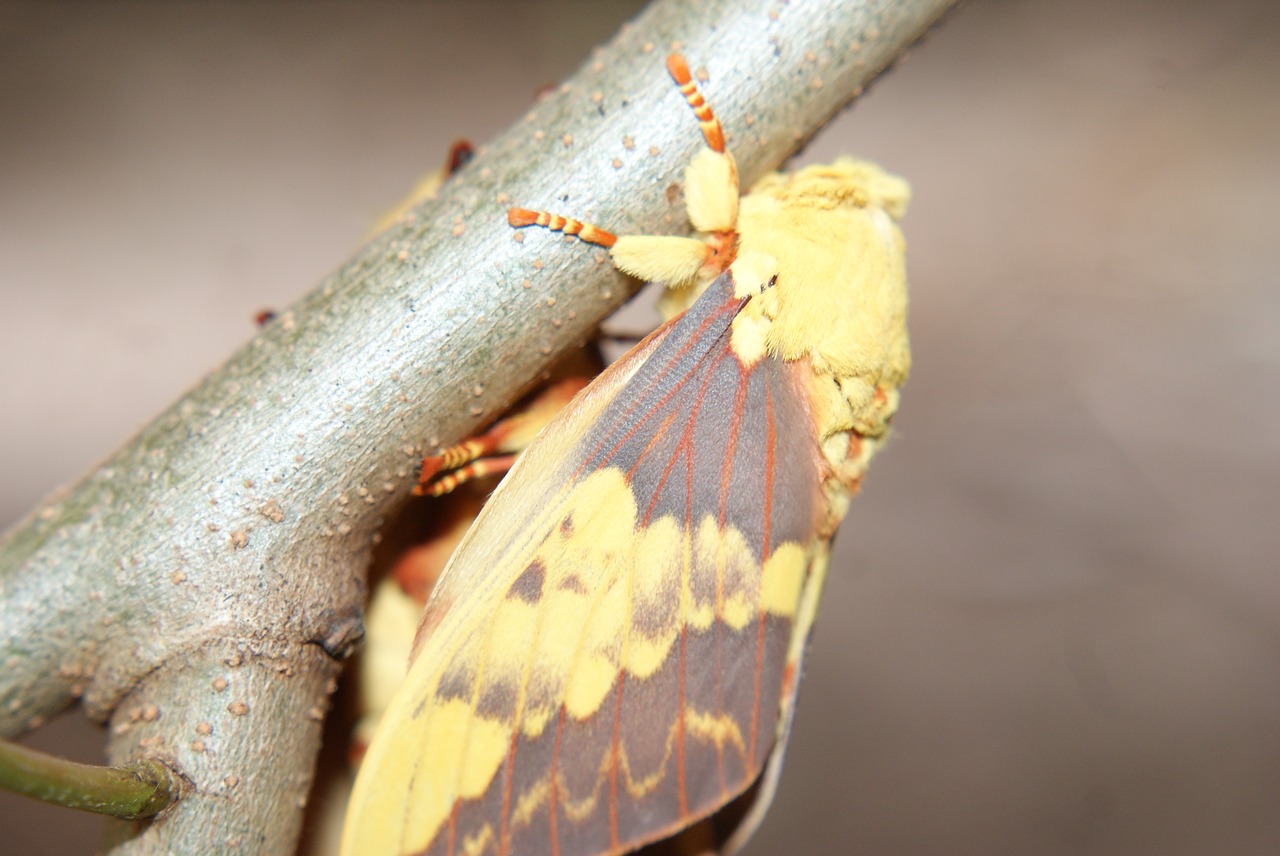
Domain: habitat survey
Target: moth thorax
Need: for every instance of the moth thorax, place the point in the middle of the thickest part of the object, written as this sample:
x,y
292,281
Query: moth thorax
x,y
844,183
840,298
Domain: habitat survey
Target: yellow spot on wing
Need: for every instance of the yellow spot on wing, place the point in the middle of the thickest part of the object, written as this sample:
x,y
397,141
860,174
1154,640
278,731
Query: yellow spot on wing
x,y
783,579
475,845
658,552
596,554
659,555
507,648
725,584
552,657
589,683
531,801
452,731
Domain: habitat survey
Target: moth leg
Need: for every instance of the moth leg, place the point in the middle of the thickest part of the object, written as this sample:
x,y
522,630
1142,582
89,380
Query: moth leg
x,y
711,193
520,217
453,458
493,452
711,202
711,179
448,482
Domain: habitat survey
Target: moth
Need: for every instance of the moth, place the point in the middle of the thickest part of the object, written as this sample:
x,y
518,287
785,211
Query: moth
x,y
613,651
456,479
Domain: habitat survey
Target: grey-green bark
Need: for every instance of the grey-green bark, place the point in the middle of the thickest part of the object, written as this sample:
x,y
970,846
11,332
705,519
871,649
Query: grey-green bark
x,y
210,574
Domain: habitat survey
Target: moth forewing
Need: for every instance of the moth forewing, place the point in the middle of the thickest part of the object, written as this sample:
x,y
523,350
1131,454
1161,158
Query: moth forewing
x,y
613,652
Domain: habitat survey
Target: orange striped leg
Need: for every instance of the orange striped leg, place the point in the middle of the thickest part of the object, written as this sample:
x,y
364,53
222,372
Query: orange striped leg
x,y
441,484
508,435
468,452
711,191
519,217
712,131
454,457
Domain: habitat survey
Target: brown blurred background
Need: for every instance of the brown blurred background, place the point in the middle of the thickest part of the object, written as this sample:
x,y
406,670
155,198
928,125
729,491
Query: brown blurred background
x,y
1053,626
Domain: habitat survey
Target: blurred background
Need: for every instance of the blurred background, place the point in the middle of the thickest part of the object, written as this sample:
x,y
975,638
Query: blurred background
x,y
1053,624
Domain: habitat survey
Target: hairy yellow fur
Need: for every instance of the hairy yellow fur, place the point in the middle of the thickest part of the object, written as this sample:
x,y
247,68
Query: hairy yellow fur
x,y
841,297
711,191
675,262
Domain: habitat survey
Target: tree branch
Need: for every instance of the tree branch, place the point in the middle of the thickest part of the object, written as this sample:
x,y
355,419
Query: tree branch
x,y
212,570
137,791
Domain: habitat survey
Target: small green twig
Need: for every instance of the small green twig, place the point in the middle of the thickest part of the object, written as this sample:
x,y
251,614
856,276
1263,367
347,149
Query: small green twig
x,y
131,792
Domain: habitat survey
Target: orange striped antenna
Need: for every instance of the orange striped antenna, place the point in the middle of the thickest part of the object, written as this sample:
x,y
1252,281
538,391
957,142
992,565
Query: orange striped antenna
x,y
520,217
712,132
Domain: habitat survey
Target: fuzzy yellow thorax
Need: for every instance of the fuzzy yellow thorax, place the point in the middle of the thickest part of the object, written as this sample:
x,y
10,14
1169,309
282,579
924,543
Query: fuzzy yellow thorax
x,y
841,295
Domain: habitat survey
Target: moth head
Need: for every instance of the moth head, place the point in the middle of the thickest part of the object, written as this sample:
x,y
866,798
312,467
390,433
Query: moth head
x,y
841,295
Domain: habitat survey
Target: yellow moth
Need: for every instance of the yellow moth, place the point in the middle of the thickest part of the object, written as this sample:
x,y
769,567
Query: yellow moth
x,y
457,478
612,653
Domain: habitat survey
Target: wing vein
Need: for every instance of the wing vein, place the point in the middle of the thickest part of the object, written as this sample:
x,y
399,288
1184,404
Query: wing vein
x,y
640,396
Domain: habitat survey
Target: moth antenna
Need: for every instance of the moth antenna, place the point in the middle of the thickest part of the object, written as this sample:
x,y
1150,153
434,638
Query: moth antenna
x,y
520,217
712,131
